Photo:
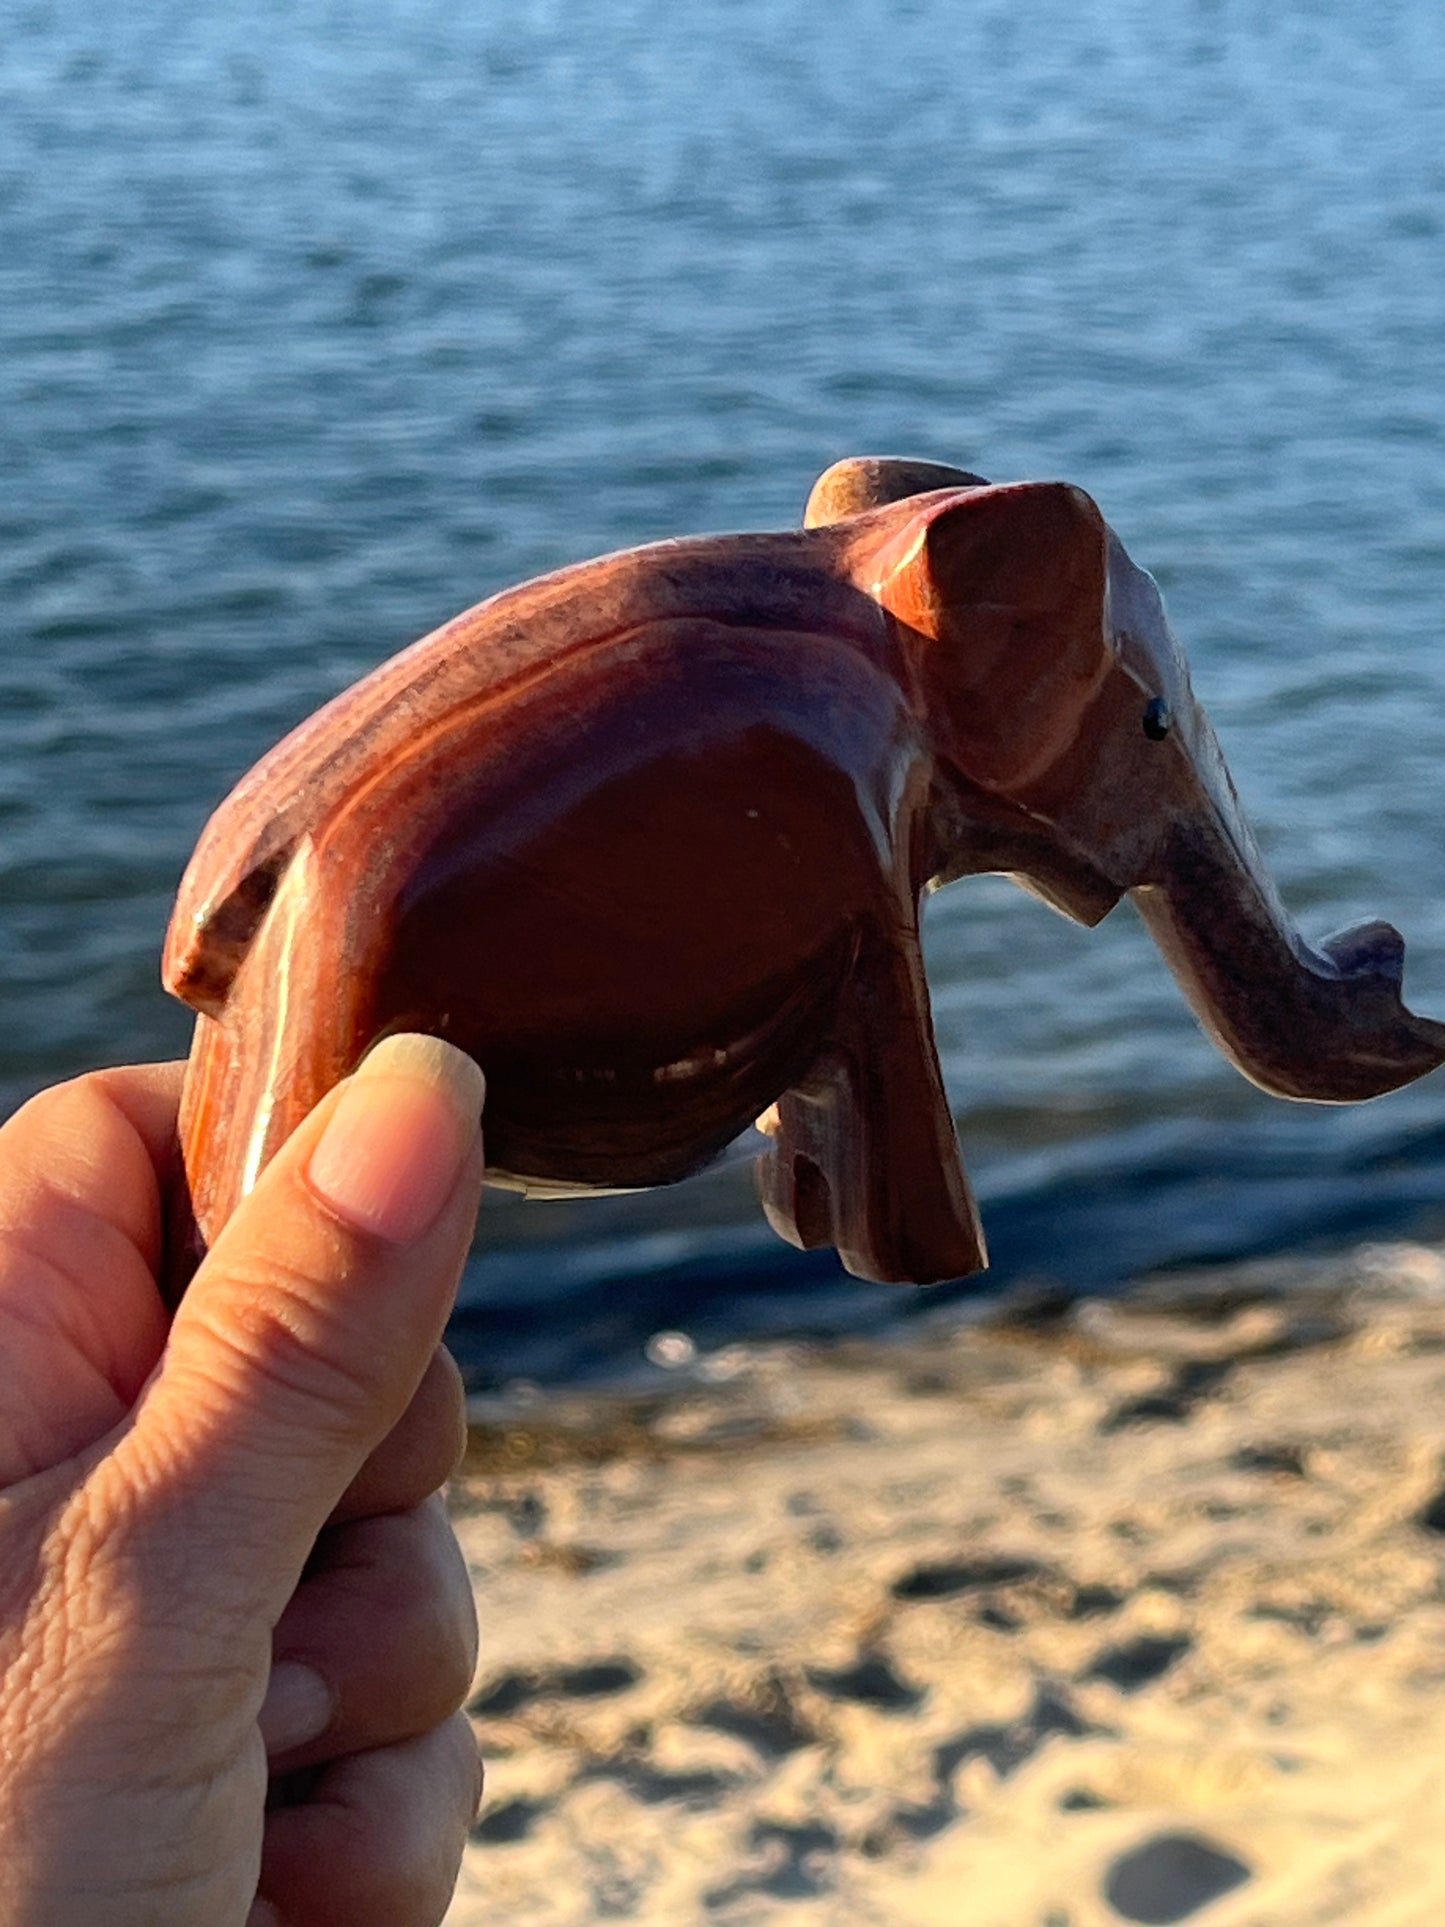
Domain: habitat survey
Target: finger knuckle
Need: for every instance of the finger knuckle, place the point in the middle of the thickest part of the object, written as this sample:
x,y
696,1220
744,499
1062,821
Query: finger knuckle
x,y
276,1324
439,1632
447,1611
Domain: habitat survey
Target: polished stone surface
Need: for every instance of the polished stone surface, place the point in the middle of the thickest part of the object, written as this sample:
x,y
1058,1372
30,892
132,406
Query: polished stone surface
x,y
648,837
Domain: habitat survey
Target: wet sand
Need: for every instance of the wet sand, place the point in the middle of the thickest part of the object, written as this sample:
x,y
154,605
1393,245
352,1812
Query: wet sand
x,y
1127,1612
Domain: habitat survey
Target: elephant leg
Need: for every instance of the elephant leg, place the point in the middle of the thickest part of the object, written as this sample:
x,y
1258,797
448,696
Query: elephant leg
x,y
293,1024
864,1153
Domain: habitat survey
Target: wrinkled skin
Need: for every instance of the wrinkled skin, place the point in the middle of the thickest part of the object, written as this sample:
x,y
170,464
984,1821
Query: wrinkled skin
x,y
648,839
235,1626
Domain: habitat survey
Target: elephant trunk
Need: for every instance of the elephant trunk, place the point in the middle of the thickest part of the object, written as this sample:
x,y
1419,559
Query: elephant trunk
x,y
1326,1025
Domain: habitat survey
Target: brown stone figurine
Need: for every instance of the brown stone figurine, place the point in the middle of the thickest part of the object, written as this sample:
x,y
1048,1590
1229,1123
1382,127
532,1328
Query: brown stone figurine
x,y
648,838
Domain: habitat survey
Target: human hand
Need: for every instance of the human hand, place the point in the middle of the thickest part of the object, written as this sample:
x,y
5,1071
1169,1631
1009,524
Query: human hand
x,y
224,1566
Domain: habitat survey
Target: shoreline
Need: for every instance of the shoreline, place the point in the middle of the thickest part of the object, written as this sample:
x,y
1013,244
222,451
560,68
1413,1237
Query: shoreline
x,y
1127,1610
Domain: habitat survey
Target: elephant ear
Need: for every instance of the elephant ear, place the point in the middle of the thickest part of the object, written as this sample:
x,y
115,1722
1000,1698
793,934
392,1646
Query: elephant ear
x,y
1005,590
861,482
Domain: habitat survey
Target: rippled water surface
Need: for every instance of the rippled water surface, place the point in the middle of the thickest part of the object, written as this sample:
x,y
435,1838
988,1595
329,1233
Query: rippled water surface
x,y
319,323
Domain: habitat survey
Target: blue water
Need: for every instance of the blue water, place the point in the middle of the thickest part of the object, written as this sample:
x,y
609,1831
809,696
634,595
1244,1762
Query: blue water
x,y
319,323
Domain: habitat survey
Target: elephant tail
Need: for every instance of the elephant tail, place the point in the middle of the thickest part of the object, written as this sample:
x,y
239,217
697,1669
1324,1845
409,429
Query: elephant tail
x,y
263,1060
217,913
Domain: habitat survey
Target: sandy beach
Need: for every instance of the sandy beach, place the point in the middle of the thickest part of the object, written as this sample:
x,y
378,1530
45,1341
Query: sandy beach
x,y
1129,1611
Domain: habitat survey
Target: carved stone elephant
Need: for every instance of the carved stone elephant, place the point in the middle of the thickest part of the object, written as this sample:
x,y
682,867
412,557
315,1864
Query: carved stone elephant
x,y
648,838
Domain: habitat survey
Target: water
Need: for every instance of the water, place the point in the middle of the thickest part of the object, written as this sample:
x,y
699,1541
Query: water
x,y
317,325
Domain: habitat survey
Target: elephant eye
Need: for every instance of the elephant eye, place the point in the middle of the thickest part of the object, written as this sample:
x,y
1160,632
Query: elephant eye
x,y
1158,719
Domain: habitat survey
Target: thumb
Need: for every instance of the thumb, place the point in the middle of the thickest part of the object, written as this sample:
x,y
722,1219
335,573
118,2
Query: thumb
x,y
307,1329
